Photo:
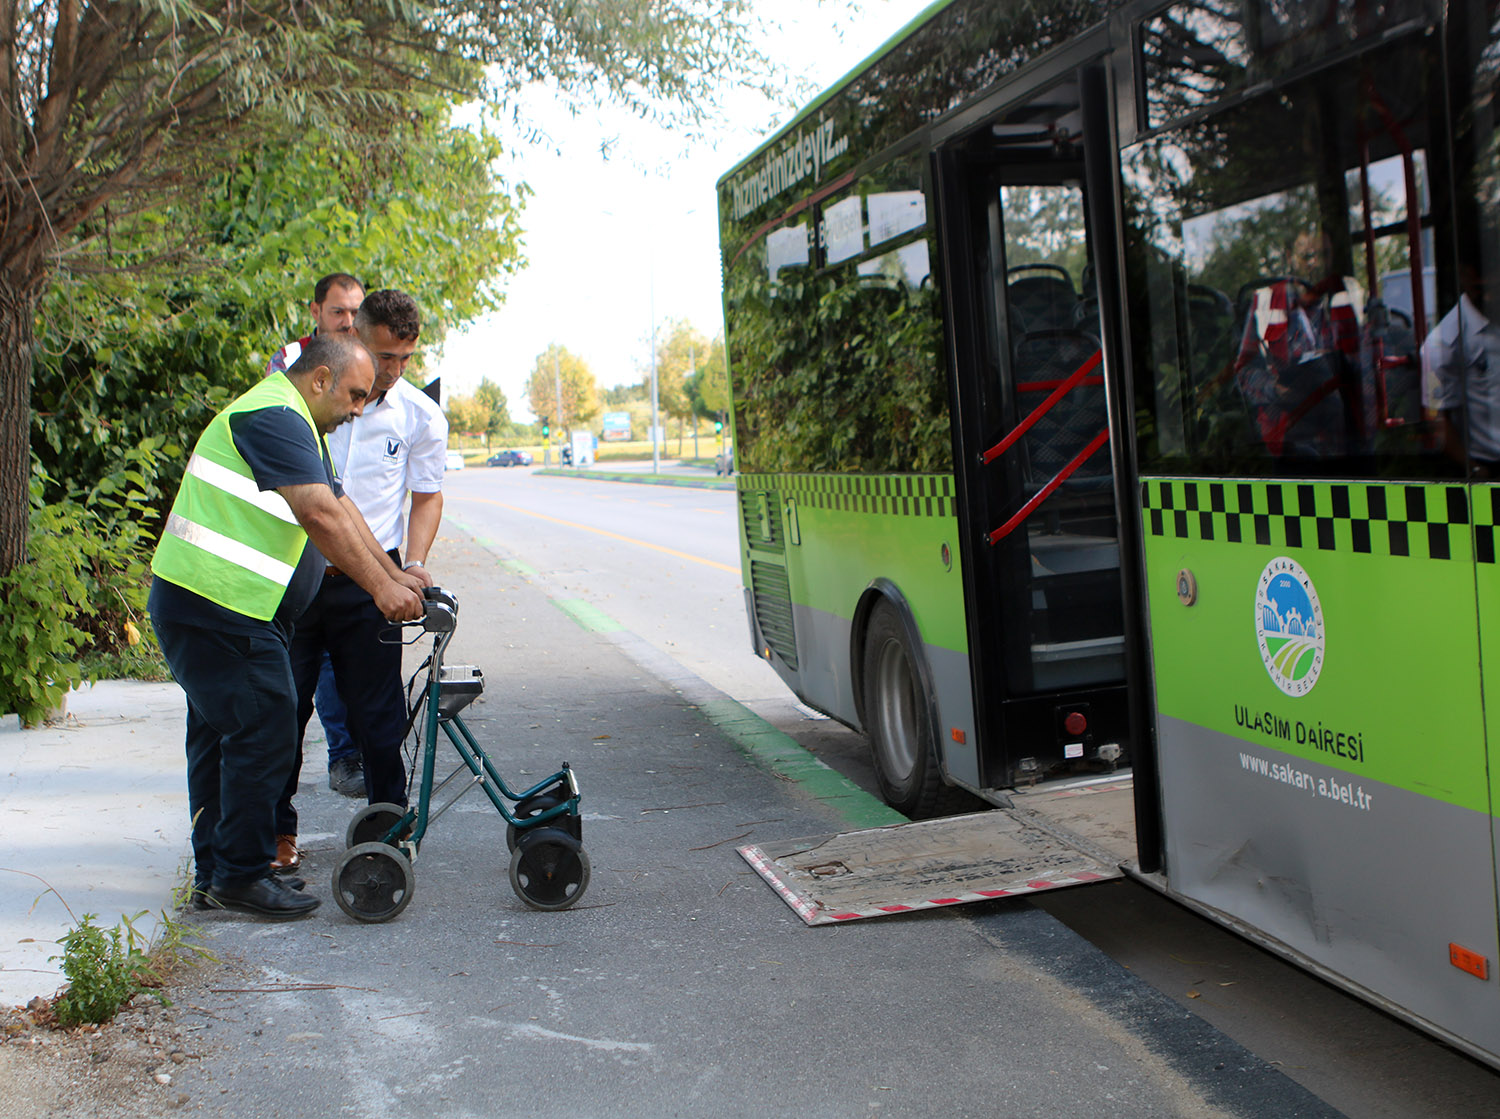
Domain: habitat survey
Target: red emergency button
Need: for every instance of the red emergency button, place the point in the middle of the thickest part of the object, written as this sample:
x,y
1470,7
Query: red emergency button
x,y
1075,722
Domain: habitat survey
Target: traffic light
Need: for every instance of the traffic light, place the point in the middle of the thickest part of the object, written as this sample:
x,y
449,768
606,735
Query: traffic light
x,y
718,426
546,429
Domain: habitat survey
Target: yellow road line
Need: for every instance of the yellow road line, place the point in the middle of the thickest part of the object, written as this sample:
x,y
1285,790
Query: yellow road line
x,y
599,532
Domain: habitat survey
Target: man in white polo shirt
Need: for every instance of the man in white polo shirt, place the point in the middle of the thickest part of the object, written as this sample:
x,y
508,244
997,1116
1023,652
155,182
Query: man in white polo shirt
x,y
398,447
335,302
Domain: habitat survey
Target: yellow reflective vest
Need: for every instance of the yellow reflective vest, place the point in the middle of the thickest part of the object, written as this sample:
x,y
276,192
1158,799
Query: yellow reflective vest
x,y
225,539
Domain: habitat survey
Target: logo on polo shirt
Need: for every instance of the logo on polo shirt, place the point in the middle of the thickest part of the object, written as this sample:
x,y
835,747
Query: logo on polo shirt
x,y
1289,626
392,449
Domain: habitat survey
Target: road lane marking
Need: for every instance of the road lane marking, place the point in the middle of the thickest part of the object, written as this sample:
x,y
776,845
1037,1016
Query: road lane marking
x,y
602,532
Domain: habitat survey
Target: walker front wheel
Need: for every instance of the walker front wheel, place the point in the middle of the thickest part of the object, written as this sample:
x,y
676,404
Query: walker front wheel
x,y
549,869
373,882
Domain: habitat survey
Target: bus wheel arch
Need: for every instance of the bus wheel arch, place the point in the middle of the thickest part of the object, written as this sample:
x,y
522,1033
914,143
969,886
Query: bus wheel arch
x,y
895,699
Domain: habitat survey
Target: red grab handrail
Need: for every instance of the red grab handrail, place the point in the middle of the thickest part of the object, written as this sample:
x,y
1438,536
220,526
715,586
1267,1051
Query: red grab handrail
x,y
1046,491
1041,409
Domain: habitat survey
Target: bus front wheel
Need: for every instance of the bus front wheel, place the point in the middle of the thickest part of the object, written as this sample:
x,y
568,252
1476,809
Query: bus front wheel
x,y
898,721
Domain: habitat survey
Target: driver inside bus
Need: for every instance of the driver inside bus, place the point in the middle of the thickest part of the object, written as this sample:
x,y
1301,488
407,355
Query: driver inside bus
x,y
1461,374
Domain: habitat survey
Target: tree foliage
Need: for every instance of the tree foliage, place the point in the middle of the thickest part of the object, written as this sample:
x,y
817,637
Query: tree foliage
x,y
560,374
467,415
492,397
109,108
142,354
679,349
485,413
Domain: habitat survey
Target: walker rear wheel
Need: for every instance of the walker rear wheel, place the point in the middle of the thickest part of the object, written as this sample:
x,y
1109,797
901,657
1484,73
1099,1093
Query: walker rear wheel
x,y
373,882
535,805
549,869
371,823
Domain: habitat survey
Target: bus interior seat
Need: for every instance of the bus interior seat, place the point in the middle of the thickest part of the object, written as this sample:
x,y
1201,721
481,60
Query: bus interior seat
x,y
1076,628
1041,359
1086,316
1042,299
1210,327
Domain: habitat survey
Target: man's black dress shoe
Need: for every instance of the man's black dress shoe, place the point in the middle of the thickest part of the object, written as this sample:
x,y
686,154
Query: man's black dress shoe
x,y
271,896
201,897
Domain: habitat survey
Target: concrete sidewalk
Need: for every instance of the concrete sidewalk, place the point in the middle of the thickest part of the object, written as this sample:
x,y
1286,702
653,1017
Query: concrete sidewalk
x,y
94,814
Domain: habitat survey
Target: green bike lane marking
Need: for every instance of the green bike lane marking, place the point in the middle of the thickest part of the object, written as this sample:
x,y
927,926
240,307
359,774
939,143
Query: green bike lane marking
x,y
587,615
783,756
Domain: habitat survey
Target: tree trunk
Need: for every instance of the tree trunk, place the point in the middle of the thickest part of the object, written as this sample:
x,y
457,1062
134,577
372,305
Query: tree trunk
x,y
17,337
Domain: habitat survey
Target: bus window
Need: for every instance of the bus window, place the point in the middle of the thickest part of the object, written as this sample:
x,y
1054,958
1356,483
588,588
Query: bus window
x,y
1199,52
1264,343
836,336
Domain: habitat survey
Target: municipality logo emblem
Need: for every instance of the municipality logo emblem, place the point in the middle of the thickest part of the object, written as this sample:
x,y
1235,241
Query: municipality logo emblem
x,y
1289,626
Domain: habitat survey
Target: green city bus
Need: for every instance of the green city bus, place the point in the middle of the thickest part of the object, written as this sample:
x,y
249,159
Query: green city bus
x,y
1111,389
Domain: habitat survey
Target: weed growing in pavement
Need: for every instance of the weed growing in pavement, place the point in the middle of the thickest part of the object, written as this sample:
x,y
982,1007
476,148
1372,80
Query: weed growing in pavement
x,y
108,966
105,968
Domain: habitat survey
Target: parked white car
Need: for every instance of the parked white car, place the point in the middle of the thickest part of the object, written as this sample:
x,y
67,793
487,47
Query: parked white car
x,y
455,461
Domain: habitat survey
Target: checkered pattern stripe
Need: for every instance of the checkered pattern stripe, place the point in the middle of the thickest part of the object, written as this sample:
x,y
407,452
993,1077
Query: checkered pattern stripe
x,y
1418,521
902,495
1486,522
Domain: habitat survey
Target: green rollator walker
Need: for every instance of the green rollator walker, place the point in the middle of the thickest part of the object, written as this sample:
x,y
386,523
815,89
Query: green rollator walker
x,y
373,879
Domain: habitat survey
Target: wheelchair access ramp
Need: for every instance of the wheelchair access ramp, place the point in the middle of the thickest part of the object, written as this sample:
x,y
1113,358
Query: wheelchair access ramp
x,y
1001,853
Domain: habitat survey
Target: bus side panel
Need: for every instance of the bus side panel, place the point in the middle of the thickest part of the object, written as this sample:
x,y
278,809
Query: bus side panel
x,y
897,529
1323,764
1486,508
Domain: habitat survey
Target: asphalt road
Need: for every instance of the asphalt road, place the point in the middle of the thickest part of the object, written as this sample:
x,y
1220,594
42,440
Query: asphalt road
x,y
664,563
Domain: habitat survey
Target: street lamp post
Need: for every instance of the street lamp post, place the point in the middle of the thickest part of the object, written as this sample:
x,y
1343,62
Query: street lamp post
x,y
557,383
655,448
655,400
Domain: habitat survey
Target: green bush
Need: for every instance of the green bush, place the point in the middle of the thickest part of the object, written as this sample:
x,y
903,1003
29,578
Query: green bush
x,y
81,596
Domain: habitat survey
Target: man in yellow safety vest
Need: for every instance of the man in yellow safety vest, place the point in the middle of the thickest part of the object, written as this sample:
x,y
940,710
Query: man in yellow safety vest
x,y
259,517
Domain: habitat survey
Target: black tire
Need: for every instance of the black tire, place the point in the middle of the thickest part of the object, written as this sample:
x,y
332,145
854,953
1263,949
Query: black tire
x,y
549,869
898,723
372,822
373,882
535,805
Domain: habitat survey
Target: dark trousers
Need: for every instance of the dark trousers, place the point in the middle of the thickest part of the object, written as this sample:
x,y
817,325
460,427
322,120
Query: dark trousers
x,y
344,622
332,715
241,739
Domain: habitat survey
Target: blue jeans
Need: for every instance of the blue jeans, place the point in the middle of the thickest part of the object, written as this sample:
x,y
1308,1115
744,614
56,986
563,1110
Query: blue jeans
x,y
334,716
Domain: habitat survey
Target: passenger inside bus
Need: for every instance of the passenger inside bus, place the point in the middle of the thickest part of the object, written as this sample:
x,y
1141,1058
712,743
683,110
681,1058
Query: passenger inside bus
x,y
1299,362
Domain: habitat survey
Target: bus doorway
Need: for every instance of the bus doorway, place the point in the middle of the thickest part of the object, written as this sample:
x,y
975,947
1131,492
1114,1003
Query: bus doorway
x,y
1035,481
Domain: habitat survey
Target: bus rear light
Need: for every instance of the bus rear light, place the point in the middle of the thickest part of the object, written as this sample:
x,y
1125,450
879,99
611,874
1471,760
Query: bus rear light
x,y
1466,959
1076,722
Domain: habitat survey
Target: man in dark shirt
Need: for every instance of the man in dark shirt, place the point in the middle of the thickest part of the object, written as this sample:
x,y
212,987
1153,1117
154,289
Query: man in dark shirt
x,y
259,517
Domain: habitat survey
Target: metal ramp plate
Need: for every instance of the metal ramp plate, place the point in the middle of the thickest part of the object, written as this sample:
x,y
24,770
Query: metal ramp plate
x,y
832,879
